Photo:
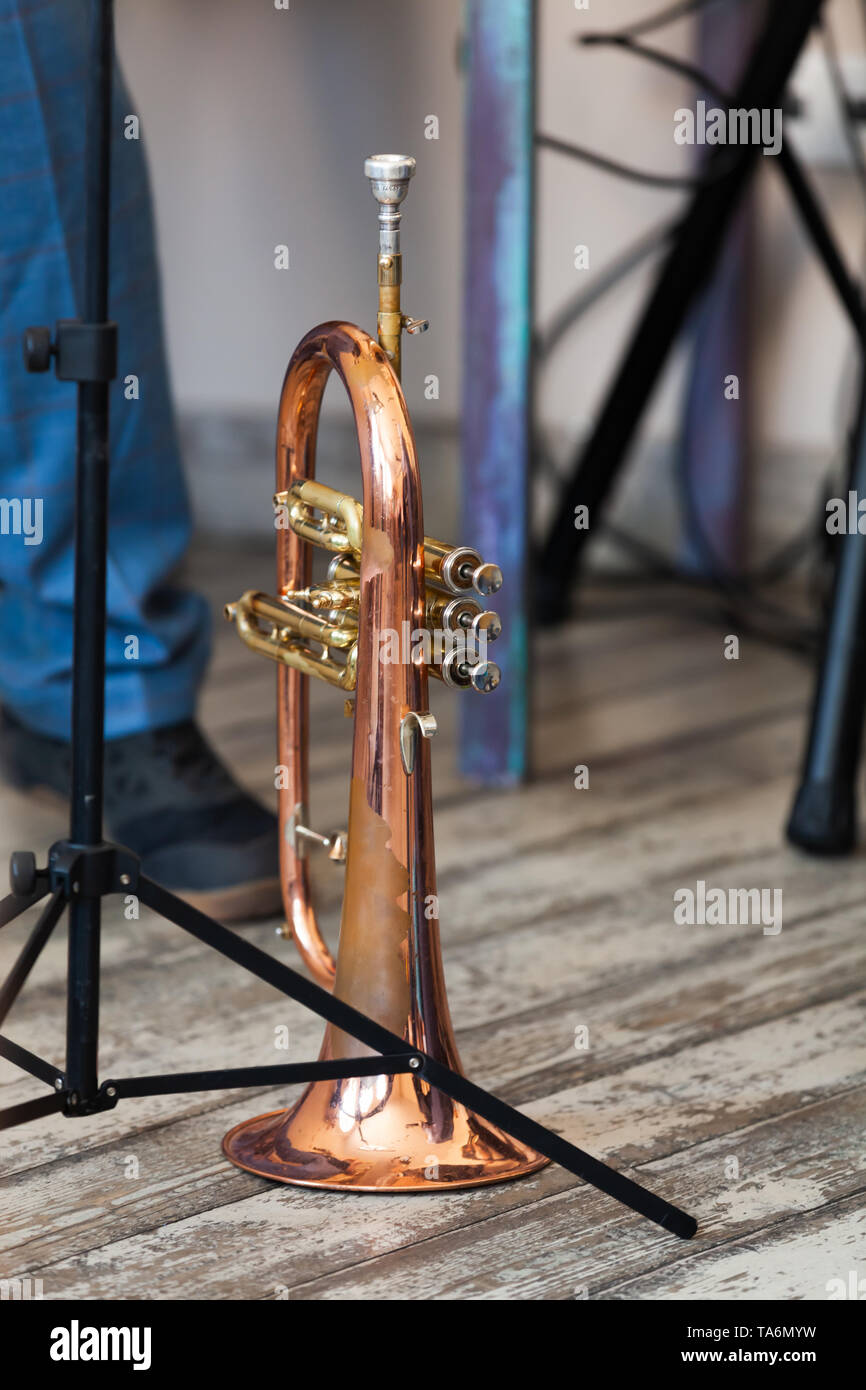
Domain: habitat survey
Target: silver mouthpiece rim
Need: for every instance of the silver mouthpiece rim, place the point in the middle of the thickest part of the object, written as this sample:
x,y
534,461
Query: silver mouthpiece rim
x,y
389,168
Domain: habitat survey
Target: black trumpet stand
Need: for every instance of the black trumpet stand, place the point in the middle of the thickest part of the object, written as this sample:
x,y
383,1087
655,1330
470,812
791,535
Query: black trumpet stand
x,y
84,869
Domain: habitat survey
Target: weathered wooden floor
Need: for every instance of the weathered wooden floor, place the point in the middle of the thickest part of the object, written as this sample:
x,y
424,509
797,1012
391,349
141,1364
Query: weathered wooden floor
x,y
725,1067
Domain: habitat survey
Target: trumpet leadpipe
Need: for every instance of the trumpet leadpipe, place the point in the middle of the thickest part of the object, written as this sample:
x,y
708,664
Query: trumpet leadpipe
x,y
389,176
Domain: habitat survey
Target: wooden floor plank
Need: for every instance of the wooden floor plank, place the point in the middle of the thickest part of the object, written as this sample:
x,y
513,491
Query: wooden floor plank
x,y
483,1262
803,1258
274,1237
495,1053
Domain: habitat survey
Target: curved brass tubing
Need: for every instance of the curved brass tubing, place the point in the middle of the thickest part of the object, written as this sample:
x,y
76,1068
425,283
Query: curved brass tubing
x,y
391,591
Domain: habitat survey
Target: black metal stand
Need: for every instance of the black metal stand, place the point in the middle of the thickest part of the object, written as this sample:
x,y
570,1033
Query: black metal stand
x,y
86,874
689,265
84,869
823,818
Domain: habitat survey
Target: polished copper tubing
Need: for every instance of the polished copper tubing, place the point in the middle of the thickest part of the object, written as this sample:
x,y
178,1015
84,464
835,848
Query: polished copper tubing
x,y
385,1132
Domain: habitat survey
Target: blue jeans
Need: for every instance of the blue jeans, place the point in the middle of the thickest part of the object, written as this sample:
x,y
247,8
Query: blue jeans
x,y
152,681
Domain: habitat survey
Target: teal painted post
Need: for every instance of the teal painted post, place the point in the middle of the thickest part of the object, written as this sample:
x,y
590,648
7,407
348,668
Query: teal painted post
x,y
497,369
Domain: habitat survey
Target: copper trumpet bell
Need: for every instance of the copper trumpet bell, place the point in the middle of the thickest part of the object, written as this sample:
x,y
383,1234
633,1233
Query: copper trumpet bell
x,y
387,1132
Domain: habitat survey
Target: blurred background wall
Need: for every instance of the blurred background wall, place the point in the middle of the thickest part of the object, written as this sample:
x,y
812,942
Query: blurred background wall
x,y
257,121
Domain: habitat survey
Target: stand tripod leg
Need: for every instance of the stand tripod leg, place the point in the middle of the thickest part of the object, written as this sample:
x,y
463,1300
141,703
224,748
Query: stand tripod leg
x,y
30,953
29,1110
28,1061
13,905
367,1031
824,818
554,1147
267,968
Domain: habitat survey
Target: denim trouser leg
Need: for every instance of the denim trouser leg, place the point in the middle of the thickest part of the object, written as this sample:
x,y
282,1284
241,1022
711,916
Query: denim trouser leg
x,y
43,55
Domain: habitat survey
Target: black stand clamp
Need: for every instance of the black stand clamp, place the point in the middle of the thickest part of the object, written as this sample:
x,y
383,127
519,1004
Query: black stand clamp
x,y
81,351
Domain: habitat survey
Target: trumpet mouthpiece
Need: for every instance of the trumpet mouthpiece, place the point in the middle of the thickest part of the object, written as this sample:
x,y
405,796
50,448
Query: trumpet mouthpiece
x,y
389,176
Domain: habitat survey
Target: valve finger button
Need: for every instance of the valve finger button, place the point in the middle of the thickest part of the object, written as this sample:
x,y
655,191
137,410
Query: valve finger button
x,y
487,579
487,623
484,677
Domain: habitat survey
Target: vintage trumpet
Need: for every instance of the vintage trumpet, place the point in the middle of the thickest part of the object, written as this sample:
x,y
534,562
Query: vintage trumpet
x,y
386,578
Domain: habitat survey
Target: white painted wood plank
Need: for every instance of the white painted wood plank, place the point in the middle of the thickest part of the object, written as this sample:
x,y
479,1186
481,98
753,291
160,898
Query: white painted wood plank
x,y
248,1248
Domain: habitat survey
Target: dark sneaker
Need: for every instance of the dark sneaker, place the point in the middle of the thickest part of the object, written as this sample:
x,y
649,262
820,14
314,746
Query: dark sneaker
x,y
171,801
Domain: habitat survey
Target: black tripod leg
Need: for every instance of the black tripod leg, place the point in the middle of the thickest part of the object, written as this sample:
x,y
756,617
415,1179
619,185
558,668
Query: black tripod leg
x,y
567,1155
367,1031
822,238
267,968
25,1060
30,953
689,265
30,1110
14,905
824,817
